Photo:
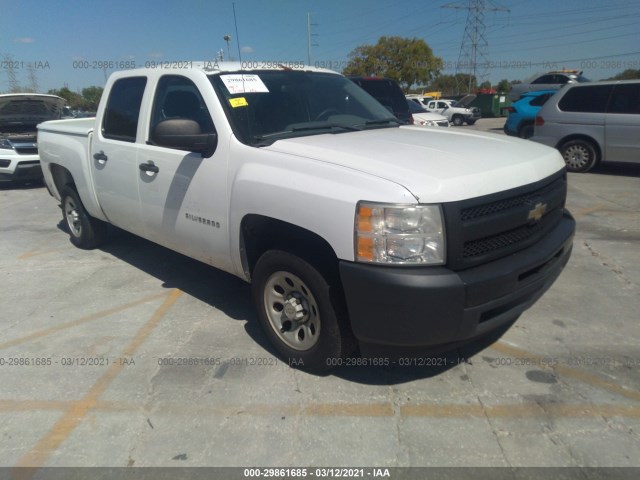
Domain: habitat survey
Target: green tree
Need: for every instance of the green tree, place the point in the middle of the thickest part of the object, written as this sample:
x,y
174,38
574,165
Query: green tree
x,y
74,100
628,74
503,86
92,96
88,100
454,84
409,61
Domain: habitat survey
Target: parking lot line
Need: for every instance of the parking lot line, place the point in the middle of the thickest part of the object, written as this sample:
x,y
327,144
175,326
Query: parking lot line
x,y
577,374
77,410
384,409
80,321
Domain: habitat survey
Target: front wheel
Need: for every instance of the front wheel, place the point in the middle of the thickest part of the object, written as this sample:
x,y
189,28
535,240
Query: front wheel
x,y
458,120
579,155
85,231
299,311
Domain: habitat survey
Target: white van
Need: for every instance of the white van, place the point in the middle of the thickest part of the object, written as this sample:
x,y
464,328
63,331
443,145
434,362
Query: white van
x,y
592,122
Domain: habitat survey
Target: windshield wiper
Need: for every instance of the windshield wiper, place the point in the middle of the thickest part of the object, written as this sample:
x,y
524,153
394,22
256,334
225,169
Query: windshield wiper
x,y
322,126
383,121
293,130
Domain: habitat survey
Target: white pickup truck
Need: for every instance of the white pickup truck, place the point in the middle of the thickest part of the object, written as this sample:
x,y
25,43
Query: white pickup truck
x,y
353,230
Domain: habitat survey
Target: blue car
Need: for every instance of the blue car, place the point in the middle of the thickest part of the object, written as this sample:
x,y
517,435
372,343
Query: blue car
x,y
522,113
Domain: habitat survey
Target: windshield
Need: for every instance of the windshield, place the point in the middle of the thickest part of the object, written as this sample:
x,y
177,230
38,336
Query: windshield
x,y
265,106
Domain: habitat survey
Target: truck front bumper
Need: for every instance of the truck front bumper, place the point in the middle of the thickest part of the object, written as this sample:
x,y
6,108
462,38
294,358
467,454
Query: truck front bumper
x,y
22,168
430,308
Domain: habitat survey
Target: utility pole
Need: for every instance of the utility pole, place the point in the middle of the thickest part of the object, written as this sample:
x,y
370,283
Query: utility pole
x,y
309,37
227,38
474,48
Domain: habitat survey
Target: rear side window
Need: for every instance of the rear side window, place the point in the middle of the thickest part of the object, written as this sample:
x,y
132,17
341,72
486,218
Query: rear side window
x,y
625,99
591,99
120,120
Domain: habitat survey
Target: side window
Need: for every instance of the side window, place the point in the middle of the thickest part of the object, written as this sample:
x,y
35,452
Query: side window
x,y
543,79
177,97
625,99
591,99
120,120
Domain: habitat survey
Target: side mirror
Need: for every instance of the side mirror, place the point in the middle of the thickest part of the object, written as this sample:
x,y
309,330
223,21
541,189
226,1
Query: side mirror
x,y
184,134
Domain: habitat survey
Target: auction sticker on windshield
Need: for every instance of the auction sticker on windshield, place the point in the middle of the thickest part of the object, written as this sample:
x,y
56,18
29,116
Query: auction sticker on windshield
x,y
244,84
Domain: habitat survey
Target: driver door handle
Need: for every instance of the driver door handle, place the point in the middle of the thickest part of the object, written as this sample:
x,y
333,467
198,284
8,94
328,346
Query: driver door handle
x,y
149,167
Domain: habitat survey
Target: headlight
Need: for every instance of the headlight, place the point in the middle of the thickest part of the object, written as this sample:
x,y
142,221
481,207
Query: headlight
x,y
429,123
399,234
5,144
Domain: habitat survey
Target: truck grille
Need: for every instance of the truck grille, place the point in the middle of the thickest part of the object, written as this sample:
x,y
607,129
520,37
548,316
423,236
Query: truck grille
x,y
486,228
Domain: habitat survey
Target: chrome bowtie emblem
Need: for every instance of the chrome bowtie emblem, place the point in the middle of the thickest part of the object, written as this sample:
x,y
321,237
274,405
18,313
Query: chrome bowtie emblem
x,y
537,212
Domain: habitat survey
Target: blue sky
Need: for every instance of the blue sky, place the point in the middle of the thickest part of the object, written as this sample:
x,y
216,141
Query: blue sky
x,y
59,37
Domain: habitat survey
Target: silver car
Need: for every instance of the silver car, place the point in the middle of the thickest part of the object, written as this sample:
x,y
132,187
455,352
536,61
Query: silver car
x,y
548,81
592,122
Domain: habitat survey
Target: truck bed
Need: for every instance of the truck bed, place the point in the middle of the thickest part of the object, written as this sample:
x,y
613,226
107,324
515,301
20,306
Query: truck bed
x,y
75,126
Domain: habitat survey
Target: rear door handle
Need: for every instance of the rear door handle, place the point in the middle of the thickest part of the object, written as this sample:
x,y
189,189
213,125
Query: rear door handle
x,y
149,167
100,157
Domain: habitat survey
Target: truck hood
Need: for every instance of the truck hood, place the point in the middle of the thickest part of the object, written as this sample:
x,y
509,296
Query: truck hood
x,y
435,165
21,112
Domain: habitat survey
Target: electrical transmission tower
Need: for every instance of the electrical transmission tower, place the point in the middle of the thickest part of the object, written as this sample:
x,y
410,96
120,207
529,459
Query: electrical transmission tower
x,y
473,58
14,85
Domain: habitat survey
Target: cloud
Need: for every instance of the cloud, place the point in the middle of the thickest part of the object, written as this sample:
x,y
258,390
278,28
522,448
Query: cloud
x,y
24,40
247,49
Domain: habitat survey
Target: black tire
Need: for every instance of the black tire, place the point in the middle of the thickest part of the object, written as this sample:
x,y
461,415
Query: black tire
x,y
526,131
579,155
84,231
457,120
302,315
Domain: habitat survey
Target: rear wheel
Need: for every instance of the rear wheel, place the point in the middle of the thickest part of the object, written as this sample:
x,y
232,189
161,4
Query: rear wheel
x,y
300,312
85,231
579,155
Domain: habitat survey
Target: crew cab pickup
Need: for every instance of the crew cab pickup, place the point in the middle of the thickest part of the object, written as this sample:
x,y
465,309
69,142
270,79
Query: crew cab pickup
x,y
19,115
352,229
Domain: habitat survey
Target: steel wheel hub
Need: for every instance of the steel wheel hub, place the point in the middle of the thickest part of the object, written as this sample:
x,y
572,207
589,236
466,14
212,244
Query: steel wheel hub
x,y
292,311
